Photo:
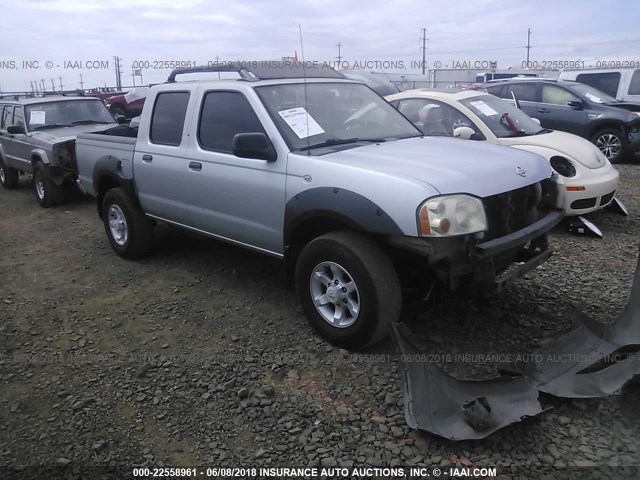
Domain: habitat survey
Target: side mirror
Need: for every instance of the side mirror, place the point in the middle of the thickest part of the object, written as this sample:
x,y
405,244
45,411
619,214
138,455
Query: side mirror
x,y
463,132
120,119
577,104
537,120
253,145
16,129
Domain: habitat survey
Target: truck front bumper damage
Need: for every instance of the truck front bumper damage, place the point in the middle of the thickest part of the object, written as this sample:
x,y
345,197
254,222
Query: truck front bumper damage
x,y
592,360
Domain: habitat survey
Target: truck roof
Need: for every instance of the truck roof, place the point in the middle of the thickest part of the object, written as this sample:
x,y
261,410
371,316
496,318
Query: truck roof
x,y
264,70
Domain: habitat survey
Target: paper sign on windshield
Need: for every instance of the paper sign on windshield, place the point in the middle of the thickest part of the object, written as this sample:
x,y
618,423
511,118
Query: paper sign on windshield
x,y
302,124
37,117
593,98
484,108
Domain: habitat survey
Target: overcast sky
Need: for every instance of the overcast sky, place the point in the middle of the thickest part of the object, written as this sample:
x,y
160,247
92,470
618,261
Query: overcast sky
x,y
198,30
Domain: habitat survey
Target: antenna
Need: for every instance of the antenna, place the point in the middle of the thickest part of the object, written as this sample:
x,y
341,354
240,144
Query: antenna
x,y
304,82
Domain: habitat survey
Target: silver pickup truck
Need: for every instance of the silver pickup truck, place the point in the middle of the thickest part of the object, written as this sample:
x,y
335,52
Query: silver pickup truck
x,y
37,136
323,173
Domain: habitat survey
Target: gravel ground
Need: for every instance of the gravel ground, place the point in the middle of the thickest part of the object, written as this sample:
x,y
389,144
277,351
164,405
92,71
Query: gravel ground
x,y
198,355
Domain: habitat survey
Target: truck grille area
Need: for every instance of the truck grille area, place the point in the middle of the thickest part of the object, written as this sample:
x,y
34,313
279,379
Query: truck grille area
x,y
514,210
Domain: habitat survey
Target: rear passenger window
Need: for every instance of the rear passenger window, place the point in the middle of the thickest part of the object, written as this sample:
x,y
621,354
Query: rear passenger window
x,y
224,114
167,122
634,85
523,92
606,82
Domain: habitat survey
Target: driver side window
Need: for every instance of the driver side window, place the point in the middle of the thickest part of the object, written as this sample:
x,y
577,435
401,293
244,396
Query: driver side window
x,y
434,118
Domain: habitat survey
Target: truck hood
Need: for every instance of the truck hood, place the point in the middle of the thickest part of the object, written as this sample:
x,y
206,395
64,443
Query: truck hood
x,y
449,165
565,144
65,134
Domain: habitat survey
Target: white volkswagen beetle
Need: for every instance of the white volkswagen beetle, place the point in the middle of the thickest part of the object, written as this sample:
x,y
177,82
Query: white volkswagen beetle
x,y
590,179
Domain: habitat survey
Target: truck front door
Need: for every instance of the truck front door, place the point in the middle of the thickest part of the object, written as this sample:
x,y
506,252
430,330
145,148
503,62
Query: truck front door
x,y
239,199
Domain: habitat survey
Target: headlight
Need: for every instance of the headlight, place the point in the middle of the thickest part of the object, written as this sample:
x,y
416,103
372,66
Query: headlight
x,y
451,215
563,166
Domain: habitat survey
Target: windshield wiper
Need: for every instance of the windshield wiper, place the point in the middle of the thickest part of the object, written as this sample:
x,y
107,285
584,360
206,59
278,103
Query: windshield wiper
x,y
84,122
341,141
52,125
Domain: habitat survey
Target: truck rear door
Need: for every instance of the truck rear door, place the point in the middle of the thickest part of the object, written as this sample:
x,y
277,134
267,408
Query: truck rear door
x,y
158,161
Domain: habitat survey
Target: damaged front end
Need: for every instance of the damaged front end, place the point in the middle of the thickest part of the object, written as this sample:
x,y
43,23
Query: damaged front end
x,y
592,360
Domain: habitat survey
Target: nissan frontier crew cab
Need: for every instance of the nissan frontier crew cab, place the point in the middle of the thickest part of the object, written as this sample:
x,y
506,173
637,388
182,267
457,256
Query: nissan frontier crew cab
x,y
320,171
37,136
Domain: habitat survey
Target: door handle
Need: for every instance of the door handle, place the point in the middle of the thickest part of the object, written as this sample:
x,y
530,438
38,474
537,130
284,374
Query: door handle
x,y
197,166
147,158
543,110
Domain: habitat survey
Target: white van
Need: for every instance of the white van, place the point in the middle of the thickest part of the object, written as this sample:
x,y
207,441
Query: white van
x,y
621,83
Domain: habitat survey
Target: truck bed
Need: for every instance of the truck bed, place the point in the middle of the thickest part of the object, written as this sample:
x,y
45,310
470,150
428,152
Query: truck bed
x,y
115,144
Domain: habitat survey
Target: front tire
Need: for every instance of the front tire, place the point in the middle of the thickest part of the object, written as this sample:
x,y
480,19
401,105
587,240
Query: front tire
x,y
9,177
129,231
611,142
48,194
348,288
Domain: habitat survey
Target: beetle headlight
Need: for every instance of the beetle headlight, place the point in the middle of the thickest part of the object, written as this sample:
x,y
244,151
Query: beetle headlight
x,y
451,215
563,166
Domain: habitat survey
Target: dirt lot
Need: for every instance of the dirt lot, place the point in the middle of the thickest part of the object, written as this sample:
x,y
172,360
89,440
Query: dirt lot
x,y
198,355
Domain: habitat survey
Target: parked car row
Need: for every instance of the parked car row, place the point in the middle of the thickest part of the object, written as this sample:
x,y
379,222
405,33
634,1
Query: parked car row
x,y
589,178
610,124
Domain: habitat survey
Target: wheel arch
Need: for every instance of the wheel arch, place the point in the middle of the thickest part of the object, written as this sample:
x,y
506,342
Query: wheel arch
x,y
321,210
606,124
107,174
39,155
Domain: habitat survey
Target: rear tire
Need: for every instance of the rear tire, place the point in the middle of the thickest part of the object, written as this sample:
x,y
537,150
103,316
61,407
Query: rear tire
x,y
355,286
9,177
48,194
611,142
129,231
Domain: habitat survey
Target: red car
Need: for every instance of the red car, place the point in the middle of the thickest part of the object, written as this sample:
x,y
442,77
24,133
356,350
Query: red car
x,y
128,104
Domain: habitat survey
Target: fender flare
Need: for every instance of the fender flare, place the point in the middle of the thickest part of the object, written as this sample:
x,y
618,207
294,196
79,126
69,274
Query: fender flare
x,y
345,206
110,168
38,154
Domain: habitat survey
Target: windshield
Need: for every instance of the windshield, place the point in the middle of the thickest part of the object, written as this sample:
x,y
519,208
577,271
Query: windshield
x,y
332,114
593,94
66,113
502,118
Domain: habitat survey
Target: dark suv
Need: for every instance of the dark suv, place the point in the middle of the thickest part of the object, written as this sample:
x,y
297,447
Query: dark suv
x,y
573,107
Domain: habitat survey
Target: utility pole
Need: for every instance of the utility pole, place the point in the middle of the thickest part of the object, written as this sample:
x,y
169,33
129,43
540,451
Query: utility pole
x,y
44,87
81,83
60,79
528,44
53,85
424,50
339,45
133,75
118,73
